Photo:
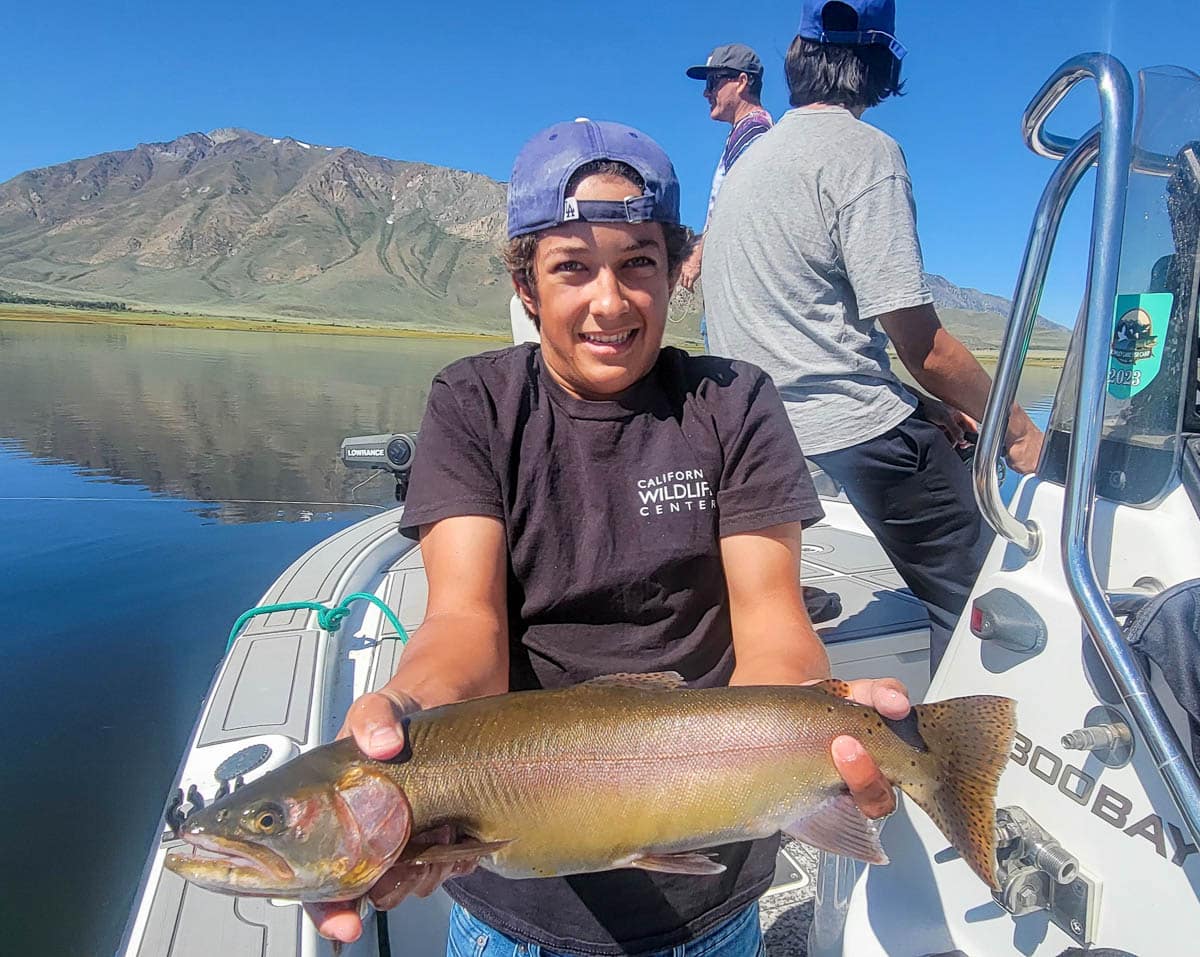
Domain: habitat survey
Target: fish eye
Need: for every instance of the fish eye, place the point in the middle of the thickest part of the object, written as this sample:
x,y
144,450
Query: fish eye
x,y
266,819
222,815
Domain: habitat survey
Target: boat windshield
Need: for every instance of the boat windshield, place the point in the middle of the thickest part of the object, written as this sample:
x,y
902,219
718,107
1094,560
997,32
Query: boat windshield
x,y
1152,373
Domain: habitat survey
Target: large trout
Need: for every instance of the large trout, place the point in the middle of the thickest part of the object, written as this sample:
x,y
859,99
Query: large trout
x,y
625,771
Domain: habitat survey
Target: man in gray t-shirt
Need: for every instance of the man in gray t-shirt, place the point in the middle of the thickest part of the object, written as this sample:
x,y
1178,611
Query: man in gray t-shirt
x,y
811,264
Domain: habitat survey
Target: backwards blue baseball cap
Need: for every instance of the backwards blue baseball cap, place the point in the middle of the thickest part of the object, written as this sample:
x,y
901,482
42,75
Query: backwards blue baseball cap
x,y
876,24
537,189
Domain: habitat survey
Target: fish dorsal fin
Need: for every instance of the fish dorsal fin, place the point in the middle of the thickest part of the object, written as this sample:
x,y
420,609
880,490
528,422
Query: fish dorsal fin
x,y
658,680
833,686
838,826
685,863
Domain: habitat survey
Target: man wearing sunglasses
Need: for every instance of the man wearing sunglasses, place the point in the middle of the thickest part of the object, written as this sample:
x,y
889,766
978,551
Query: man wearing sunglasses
x,y
732,78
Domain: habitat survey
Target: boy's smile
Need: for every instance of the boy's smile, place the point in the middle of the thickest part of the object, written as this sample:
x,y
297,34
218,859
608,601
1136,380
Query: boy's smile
x,y
600,294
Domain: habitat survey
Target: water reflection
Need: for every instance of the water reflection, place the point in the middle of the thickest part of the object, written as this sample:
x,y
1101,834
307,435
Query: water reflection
x,y
252,421
248,423
153,483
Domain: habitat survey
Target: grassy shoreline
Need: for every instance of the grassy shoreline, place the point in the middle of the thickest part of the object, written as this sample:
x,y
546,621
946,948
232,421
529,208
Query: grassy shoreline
x,y
171,320
1035,357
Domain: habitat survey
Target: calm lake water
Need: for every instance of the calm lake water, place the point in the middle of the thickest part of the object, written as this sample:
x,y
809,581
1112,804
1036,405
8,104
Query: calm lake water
x,y
153,482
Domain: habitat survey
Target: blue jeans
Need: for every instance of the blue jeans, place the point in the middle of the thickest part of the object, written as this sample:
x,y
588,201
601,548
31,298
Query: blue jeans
x,y
738,936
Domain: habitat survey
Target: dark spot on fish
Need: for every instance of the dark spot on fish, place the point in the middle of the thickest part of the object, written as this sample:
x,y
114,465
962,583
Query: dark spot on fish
x,y
405,752
907,730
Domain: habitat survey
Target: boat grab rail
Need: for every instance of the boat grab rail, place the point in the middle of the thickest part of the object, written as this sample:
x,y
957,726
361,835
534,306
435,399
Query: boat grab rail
x,y
1115,90
1026,535
1056,147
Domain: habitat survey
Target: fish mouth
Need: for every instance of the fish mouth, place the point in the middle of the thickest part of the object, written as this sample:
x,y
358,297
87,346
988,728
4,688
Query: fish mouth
x,y
227,862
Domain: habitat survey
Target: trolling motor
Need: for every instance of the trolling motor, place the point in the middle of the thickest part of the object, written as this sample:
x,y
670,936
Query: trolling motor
x,y
392,452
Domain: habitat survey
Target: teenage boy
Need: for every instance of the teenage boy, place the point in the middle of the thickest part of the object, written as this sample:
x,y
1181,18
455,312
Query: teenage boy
x,y
551,560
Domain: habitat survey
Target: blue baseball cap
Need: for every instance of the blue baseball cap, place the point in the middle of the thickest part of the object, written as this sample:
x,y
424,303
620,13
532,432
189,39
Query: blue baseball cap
x,y
876,24
537,188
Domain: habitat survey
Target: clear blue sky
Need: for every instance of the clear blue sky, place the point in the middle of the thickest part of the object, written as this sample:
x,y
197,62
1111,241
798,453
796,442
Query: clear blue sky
x,y
463,83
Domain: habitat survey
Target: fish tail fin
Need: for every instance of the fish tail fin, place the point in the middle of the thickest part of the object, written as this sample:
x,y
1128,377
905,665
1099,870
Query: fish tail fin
x,y
968,741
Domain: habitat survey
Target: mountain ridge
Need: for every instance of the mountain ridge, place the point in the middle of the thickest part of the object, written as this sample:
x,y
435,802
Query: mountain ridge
x,y
236,223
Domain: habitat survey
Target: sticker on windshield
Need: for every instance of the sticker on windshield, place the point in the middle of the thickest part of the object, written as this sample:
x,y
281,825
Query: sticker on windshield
x,y
1136,355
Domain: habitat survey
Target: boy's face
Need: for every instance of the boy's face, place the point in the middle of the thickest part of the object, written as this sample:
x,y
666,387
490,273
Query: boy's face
x,y
601,294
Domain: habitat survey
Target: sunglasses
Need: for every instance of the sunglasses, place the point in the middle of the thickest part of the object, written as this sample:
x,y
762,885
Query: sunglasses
x,y
714,80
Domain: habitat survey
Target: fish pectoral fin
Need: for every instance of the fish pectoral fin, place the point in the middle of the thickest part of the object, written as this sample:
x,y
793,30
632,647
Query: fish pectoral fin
x,y
833,686
838,826
689,862
465,850
660,680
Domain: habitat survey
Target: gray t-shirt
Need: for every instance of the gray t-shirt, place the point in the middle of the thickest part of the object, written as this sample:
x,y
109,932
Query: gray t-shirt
x,y
815,235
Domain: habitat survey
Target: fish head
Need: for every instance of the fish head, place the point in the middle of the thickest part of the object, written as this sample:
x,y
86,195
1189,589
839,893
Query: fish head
x,y
299,833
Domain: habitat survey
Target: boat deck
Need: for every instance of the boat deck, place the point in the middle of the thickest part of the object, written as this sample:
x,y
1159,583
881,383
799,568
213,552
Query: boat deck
x,y
287,684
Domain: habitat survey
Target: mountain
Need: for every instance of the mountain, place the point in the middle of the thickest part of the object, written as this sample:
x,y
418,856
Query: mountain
x,y
239,224
945,293
978,318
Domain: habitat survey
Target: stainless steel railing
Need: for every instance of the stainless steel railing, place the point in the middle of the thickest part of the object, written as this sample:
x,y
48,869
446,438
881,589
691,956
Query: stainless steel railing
x,y
1066,176
1052,145
1108,215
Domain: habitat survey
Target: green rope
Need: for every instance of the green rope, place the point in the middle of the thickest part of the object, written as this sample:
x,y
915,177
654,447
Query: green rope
x,y
330,619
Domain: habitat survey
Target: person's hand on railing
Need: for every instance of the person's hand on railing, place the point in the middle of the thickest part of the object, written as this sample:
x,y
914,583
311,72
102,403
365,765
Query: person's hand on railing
x,y
1025,450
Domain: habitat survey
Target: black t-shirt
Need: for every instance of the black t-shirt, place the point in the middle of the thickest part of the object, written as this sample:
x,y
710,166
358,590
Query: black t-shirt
x,y
613,512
